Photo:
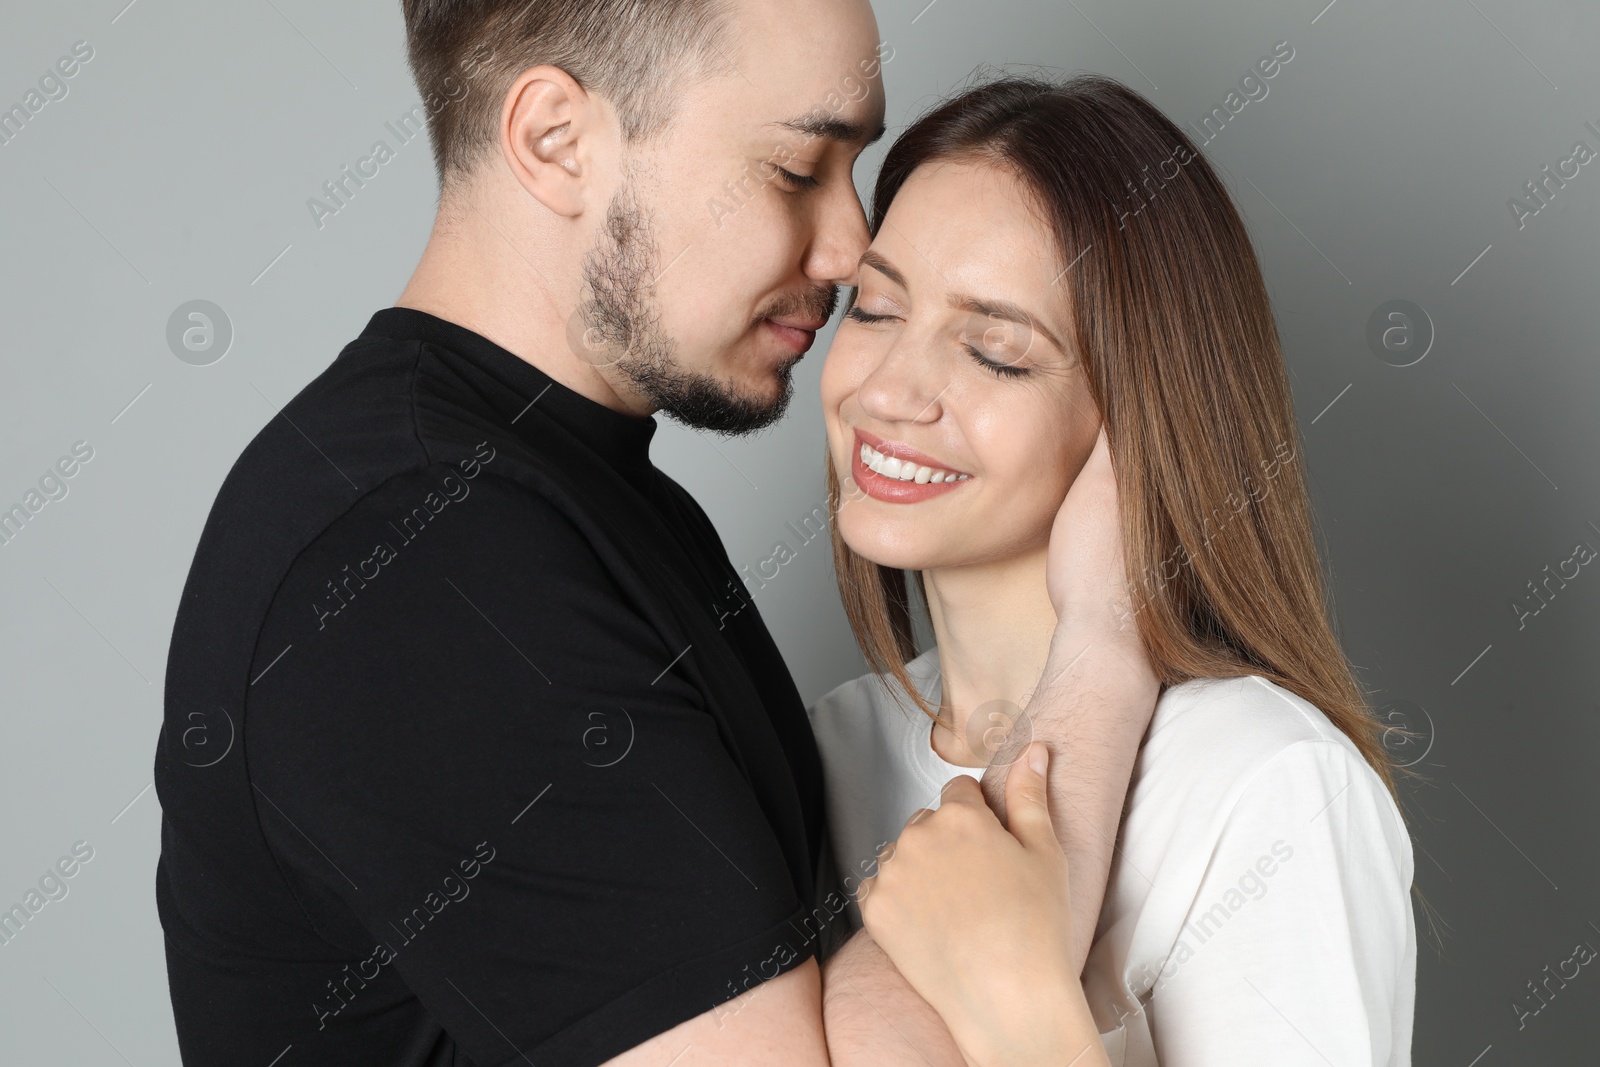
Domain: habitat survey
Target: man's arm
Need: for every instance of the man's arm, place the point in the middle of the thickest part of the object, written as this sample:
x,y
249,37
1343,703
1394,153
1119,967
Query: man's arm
x,y
777,1023
873,1017
1092,708
1095,695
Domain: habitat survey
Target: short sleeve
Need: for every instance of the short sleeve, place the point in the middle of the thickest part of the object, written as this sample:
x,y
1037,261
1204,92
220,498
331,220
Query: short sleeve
x,y
834,914
1300,945
474,752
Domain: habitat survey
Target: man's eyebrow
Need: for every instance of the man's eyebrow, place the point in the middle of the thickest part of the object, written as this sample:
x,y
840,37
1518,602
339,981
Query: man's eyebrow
x,y
834,129
988,307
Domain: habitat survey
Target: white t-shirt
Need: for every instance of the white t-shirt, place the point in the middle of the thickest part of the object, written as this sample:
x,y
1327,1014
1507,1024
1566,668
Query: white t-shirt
x,y
1258,909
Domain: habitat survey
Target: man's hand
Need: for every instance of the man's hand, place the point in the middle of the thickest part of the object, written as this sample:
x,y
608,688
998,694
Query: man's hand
x,y
1085,574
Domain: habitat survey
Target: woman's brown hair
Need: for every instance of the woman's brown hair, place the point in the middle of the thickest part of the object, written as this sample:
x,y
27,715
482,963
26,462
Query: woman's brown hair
x,y
1173,323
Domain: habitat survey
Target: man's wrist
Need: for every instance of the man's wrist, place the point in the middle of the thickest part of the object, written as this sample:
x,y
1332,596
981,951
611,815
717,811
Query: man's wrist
x,y
1110,664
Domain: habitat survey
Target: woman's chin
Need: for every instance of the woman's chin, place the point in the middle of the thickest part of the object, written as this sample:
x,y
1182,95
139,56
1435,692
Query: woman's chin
x,y
875,543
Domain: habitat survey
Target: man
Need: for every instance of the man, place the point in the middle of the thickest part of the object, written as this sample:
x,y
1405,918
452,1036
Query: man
x,y
475,751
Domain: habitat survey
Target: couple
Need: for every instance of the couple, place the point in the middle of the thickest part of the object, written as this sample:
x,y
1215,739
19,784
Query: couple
x,y
529,781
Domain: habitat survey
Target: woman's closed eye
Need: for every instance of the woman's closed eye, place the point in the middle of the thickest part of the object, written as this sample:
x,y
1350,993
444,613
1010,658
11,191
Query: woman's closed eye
x,y
1000,365
855,312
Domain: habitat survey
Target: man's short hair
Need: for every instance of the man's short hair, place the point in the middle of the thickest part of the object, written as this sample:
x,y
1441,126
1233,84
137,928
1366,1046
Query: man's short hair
x,y
465,54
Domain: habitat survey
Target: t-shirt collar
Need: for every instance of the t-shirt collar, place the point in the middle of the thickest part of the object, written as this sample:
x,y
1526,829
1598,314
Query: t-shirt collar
x,y
621,440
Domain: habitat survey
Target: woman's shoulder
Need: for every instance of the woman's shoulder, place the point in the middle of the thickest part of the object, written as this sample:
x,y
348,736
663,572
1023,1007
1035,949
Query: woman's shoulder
x,y
1236,725
858,705
1217,743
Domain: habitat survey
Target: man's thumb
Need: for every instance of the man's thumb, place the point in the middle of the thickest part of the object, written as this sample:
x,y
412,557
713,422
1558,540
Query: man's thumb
x,y
1027,809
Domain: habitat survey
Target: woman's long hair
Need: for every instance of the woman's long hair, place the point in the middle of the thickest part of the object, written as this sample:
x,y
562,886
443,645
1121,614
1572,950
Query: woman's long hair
x,y
1173,322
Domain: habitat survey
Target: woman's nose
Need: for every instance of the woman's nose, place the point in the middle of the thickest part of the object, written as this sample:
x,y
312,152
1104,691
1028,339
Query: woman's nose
x,y
905,386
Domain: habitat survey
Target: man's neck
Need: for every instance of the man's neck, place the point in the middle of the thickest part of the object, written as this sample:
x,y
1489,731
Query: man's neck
x,y
993,624
479,272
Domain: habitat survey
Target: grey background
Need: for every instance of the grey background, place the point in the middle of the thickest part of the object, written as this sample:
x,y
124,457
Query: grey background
x,y
1378,167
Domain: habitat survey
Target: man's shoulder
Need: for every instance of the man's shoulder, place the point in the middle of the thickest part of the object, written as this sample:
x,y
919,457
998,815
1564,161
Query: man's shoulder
x,y
687,503
342,475
352,440
349,429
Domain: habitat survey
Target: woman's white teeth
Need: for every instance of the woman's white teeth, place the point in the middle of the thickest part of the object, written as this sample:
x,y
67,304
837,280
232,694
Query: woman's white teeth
x,y
905,470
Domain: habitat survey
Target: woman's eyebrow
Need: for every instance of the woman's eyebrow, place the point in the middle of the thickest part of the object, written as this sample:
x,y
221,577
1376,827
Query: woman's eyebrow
x,y
991,308
875,260
1004,310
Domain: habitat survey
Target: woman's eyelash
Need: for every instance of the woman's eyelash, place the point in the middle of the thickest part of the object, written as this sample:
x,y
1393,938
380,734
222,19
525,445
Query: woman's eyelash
x,y
1004,370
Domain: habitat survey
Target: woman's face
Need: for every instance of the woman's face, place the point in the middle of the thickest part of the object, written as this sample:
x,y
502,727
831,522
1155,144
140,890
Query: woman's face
x,y
957,411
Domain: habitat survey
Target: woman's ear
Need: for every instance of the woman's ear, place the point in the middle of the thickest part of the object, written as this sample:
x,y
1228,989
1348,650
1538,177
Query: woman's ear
x,y
550,130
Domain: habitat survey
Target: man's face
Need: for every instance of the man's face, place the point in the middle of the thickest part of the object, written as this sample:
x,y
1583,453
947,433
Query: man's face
x,y
721,254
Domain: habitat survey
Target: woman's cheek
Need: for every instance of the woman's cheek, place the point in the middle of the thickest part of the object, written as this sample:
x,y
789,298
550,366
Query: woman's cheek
x,y
1031,475
839,375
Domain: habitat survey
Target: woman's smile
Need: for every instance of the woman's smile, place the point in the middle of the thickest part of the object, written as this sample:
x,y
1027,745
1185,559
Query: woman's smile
x,y
899,474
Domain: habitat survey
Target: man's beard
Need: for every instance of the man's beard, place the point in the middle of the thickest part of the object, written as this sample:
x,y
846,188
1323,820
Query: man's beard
x,y
619,312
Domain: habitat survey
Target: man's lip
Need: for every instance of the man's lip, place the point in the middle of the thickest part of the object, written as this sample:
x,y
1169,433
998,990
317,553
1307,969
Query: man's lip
x,y
901,452
809,325
793,336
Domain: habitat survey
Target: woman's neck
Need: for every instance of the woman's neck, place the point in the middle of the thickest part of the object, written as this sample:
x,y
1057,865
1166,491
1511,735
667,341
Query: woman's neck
x,y
993,624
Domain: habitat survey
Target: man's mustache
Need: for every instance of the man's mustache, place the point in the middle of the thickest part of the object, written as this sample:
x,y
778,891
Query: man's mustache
x,y
818,302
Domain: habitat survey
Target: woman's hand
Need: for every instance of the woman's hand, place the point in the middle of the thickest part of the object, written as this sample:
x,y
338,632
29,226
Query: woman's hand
x,y
979,921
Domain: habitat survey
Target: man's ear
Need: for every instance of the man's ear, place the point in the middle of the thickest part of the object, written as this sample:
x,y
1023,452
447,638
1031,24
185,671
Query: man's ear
x,y
550,127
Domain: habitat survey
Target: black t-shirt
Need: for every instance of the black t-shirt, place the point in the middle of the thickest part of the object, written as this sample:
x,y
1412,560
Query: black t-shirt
x,y
475,751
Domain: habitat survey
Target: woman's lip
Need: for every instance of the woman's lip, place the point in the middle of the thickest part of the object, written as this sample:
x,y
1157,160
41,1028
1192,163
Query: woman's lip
x,y
893,490
900,452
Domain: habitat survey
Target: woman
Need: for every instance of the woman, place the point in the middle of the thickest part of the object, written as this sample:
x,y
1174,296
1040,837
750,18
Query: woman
x,y
1052,266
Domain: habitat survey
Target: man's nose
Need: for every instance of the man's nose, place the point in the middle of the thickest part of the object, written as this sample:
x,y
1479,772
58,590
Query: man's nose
x,y
841,236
